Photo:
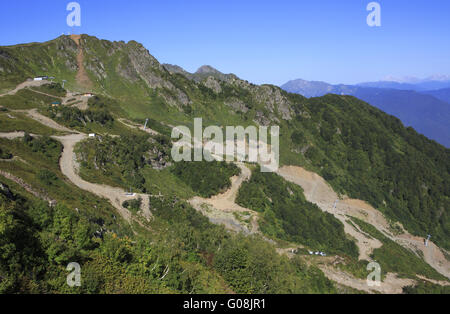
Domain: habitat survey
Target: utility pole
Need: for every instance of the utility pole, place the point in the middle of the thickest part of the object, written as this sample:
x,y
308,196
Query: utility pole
x,y
145,125
427,239
335,204
63,81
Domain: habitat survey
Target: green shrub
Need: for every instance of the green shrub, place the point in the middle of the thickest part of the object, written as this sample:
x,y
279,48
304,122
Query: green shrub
x,y
5,154
206,178
54,89
133,205
47,177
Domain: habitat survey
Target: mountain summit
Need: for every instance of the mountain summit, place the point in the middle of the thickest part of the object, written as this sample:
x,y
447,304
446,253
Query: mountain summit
x,y
207,69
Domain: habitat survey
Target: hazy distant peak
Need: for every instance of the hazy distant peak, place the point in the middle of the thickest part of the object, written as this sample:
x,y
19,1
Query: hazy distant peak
x,y
416,80
207,69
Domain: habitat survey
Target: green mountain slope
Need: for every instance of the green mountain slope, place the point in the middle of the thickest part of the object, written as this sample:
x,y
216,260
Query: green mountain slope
x,y
361,151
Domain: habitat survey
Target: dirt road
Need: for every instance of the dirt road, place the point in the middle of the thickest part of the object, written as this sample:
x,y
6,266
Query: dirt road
x,y
432,254
222,208
35,115
27,84
69,167
79,101
319,192
12,135
68,162
137,126
390,285
227,200
76,100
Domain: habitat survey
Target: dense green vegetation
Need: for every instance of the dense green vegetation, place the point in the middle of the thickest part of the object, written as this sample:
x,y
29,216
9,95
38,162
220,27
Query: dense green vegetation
x,y
288,216
206,178
44,145
369,155
37,242
103,103
248,264
424,287
74,117
4,154
119,161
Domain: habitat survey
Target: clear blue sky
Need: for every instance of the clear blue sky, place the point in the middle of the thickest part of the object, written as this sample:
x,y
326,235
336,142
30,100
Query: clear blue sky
x,y
261,41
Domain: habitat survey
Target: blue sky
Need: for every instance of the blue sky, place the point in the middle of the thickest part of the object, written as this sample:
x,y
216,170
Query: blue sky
x,y
261,41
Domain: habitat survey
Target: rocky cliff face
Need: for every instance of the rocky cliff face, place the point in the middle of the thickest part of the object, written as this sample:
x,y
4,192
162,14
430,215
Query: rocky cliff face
x,y
127,71
131,63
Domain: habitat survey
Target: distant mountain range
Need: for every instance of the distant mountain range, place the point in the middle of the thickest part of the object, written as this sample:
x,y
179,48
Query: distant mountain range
x,y
442,94
423,105
419,86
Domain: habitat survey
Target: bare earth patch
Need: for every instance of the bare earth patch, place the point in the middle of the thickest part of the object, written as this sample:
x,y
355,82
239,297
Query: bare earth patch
x,y
390,285
222,208
318,191
82,78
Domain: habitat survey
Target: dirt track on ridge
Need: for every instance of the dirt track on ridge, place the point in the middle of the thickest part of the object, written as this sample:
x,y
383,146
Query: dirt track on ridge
x,y
82,78
69,166
27,84
35,115
137,126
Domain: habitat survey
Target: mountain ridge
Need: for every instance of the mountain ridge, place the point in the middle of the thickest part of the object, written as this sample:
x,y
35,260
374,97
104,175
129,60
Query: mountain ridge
x,y
421,110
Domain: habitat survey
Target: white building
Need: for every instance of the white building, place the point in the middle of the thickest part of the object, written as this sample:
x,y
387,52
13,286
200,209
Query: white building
x,y
41,78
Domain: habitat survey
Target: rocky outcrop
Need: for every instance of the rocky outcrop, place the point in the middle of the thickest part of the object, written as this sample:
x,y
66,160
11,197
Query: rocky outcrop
x,y
237,105
213,84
